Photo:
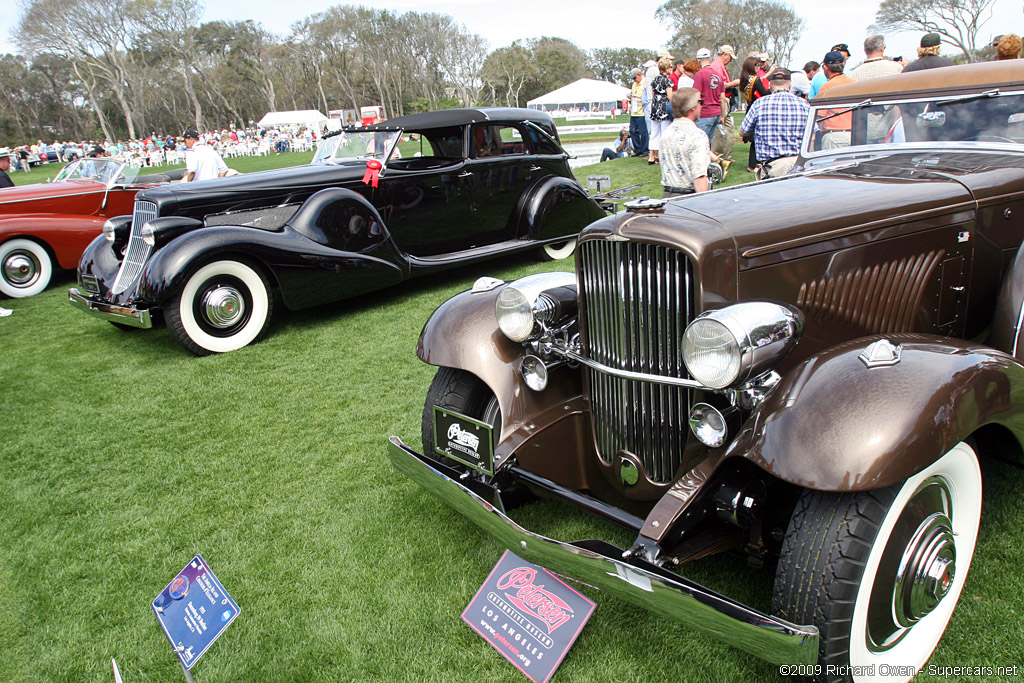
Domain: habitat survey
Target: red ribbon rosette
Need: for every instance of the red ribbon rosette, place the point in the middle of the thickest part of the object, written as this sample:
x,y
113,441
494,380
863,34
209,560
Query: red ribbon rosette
x,y
372,172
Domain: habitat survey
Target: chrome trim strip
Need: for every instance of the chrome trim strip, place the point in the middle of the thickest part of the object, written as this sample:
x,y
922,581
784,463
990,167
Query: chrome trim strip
x,y
1016,333
659,591
626,374
125,315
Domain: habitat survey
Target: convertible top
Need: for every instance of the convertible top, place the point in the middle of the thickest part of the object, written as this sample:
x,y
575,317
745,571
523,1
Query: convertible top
x,y
461,117
945,81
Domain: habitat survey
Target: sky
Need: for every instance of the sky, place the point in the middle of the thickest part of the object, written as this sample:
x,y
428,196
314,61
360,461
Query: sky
x,y
593,23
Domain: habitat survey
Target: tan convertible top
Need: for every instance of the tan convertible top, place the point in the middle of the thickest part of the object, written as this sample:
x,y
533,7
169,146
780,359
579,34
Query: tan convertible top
x,y
952,80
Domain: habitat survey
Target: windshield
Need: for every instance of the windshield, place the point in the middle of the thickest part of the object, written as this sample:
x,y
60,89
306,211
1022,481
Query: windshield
x,y
107,171
982,118
353,146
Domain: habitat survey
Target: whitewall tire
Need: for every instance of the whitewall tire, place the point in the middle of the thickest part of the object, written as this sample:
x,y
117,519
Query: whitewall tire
x,y
25,268
557,251
224,306
880,572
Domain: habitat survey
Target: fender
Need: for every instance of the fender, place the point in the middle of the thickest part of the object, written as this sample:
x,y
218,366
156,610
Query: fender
x,y
833,424
1008,321
553,208
307,273
65,235
463,334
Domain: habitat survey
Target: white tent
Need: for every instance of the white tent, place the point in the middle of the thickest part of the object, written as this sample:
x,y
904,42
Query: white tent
x,y
584,93
304,118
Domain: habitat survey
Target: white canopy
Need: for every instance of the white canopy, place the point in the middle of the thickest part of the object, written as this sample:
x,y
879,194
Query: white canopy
x,y
585,92
308,118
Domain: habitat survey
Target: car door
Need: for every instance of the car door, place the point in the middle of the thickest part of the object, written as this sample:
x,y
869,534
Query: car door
x,y
503,164
425,194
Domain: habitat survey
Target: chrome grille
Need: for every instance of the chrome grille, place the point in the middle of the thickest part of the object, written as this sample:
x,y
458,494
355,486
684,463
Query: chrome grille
x,y
637,301
138,251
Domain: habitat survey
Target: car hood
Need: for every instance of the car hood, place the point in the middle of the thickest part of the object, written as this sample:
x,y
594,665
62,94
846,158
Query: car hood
x,y
768,217
279,186
12,198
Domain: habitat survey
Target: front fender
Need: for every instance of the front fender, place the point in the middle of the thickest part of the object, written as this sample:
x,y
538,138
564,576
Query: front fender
x,y
307,273
66,235
556,207
463,334
833,424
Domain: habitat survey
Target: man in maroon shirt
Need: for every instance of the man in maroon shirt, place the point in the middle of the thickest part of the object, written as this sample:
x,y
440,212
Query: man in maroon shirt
x,y
712,81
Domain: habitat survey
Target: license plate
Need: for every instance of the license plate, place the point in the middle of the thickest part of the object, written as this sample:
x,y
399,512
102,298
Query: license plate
x,y
464,439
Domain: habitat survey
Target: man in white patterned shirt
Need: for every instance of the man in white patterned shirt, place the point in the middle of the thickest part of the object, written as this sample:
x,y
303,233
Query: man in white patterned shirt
x,y
685,150
876,65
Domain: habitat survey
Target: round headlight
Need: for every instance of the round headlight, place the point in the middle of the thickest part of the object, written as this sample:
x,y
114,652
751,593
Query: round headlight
x,y
514,312
148,235
711,353
108,231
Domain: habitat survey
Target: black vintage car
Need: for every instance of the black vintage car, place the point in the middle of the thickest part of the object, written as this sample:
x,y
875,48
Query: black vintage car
x,y
378,205
804,371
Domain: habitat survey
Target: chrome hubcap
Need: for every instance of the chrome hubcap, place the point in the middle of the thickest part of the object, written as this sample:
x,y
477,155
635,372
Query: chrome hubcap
x,y
223,306
926,570
20,269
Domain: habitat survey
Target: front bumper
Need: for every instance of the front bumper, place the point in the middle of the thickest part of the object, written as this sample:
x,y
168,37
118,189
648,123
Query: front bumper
x,y
124,315
601,565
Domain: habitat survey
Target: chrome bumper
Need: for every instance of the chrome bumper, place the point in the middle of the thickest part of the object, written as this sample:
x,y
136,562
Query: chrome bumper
x,y
601,565
125,315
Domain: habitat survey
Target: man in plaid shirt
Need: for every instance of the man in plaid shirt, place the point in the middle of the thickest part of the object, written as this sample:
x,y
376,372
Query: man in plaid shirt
x,y
778,122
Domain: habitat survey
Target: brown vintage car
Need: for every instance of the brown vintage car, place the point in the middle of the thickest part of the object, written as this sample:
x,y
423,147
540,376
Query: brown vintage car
x,y
805,371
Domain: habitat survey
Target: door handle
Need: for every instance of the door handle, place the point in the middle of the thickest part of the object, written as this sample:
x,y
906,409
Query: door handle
x,y
465,174
534,168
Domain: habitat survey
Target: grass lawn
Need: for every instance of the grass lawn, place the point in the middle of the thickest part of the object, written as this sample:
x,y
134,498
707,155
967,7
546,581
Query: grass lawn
x,y
124,456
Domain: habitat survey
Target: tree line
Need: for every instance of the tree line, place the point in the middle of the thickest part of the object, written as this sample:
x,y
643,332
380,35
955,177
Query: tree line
x,y
121,69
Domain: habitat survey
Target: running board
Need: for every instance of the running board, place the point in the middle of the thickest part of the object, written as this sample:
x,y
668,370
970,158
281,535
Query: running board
x,y
458,257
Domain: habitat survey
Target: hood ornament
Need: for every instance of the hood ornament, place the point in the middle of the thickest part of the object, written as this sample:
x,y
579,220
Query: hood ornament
x,y
881,353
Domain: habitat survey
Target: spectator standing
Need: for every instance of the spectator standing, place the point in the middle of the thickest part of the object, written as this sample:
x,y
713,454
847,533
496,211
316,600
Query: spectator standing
x,y
5,166
619,148
928,56
711,82
637,123
661,94
201,161
820,78
875,64
724,137
1009,47
23,159
650,71
836,129
685,153
777,122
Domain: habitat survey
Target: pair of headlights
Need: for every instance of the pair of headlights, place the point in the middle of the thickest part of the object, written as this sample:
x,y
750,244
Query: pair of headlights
x,y
721,349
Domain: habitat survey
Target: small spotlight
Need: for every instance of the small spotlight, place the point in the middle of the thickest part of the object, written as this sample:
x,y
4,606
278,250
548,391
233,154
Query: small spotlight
x,y
708,425
535,373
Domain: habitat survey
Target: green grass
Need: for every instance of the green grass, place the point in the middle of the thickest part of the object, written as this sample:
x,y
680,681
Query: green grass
x,y
123,456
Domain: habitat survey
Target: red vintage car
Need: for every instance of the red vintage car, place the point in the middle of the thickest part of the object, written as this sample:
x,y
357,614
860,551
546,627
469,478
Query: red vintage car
x,y
51,224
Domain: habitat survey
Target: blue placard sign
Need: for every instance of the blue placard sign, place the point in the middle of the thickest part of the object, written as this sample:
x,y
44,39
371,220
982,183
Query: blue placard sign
x,y
529,615
193,610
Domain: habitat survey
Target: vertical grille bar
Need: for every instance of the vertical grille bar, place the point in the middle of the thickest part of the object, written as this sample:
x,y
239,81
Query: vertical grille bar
x,y
637,301
138,251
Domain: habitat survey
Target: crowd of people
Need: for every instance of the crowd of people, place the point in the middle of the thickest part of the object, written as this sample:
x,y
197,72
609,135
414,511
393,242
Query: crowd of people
x,y
157,149
679,109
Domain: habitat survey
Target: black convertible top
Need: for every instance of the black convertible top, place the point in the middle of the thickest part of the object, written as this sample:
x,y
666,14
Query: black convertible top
x,y
462,117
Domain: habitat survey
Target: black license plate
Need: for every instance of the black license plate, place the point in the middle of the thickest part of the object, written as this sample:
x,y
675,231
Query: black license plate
x,y
464,439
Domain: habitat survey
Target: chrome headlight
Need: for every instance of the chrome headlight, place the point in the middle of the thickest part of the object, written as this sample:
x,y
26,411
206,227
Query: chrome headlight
x,y
524,306
728,346
148,234
108,230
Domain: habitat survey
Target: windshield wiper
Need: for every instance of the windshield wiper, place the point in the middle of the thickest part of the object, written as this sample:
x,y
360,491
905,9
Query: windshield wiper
x,y
859,105
968,98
